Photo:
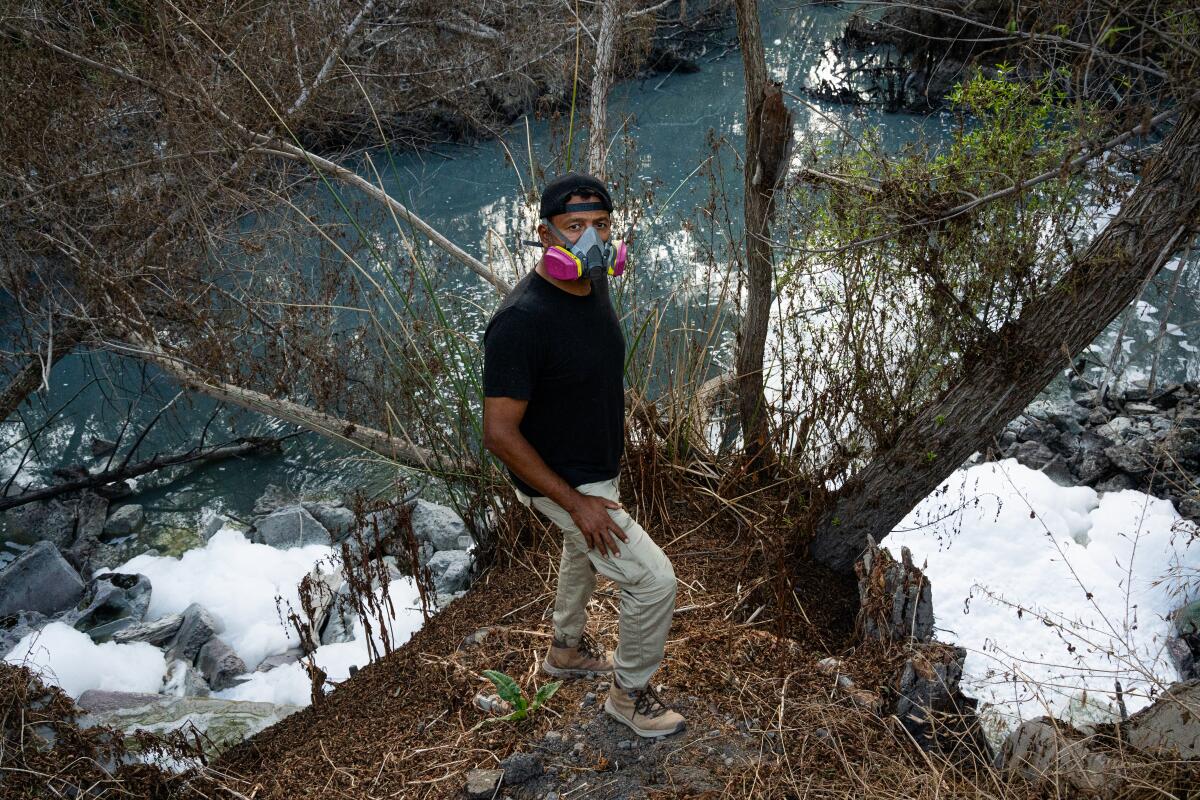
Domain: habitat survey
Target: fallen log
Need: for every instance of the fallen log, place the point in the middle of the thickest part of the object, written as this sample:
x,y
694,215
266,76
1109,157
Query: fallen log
x,y
241,447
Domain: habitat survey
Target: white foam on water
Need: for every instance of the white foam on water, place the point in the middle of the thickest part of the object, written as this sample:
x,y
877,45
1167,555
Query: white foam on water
x,y
238,582
1055,592
71,660
290,682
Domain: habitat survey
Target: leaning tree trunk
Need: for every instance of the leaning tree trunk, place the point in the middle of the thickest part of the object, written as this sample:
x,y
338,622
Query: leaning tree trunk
x,y
1156,220
768,137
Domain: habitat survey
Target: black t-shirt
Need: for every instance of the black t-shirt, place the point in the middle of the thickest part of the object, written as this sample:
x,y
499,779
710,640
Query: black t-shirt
x,y
566,355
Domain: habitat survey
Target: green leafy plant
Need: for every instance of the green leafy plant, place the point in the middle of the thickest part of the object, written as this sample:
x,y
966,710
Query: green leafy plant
x,y
511,693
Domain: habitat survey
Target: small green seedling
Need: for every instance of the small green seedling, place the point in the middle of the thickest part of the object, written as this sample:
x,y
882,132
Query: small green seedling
x,y
511,693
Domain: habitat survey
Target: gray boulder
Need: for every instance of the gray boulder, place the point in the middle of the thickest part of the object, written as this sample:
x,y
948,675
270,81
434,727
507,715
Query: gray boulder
x,y
124,521
280,659
1059,471
273,498
15,627
1116,483
112,602
184,680
1091,466
197,627
158,633
337,519
210,523
340,625
1115,428
291,526
223,723
1047,748
39,579
1034,455
1170,726
438,525
219,664
450,570
1135,458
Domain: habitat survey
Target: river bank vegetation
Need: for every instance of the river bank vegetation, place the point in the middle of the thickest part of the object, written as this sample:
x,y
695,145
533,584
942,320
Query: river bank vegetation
x,y
200,191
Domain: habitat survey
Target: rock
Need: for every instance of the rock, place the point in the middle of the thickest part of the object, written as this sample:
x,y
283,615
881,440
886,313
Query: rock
x,y
100,701
829,666
1116,483
223,722
219,664
482,784
1089,399
102,447
339,627
337,519
1135,458
1140,409
520,768
210,524
1098,416
1136,394
1034,455
196,628
15,627
450,570
41,580
158,633
280,659
1185,658
425,552
1090,467
61,520
1170,726
895,598
1168,398
438,525
273,498
112,602
290,526
1059,472
183,680
1115,428
1046,748
124,521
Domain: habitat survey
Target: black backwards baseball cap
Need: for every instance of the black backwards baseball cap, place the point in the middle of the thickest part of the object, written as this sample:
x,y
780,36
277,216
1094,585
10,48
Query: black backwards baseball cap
x,y
557,191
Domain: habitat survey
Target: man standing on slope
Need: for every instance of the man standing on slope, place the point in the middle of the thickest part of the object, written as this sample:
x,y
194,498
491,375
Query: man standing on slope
x,y
554,413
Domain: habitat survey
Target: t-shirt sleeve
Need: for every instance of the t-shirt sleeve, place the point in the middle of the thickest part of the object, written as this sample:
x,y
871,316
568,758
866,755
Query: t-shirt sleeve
x,y
510,356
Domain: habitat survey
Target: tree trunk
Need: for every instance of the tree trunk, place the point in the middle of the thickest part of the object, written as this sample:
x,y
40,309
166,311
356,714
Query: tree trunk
x,y
398,448
768,138
29,377
602,75
1155,221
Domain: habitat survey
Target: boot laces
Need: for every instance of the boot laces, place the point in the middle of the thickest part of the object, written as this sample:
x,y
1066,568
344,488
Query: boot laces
x,y
648,703
588,648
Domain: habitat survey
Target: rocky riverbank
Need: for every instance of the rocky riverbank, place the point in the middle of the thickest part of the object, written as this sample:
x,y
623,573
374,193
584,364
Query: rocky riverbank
x,y
220,669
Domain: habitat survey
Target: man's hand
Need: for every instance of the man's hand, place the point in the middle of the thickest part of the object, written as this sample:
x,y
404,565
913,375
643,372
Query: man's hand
x,y
591,516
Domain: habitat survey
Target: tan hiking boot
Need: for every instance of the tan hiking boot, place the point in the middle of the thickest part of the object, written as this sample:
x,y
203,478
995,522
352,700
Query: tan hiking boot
x,y
643,711
585,660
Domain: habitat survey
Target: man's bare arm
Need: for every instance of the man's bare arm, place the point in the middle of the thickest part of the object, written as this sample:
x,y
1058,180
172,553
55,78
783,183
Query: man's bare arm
x,y
502,436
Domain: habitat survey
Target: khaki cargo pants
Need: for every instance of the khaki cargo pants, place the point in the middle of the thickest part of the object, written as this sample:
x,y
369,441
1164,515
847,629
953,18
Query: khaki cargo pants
x,y
643,573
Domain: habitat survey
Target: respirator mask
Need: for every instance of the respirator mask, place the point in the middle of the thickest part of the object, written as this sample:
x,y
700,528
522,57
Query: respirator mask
x,y
589,257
